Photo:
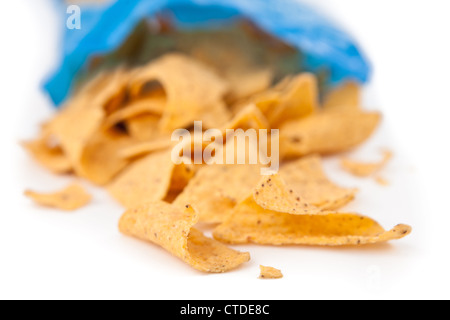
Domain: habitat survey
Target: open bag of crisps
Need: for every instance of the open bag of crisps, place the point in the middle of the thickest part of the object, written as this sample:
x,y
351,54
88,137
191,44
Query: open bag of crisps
x,y
154,95
284,34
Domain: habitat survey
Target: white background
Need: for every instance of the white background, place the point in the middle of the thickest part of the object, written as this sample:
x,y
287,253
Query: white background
x,y
48,254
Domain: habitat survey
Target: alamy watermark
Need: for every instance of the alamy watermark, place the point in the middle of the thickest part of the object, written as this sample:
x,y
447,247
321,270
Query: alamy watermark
x,y
215,146
73,21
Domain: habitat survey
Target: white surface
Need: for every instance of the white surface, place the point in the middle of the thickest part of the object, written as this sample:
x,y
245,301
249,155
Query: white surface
x,y
49,254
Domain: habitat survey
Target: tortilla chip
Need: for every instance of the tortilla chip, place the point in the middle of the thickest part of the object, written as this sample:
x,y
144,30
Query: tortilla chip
x,y
360,169
100,160
346,97
217,189
273,194
145,148
298,99
114,95
249,117
71,198
292,98
148,179
265,101
144,127
171,227
134,109
49,155
245,83
270,273
83,115
216,116
327,133
194,92
307,178
266,221
151,90
74,126
181,176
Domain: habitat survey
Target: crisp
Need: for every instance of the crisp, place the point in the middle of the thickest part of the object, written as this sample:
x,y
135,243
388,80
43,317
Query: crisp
x,y
171,227
71,198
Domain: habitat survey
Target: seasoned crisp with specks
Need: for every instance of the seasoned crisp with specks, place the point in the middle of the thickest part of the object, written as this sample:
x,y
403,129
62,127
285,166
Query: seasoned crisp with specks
x,y
265,218
307,178
172,228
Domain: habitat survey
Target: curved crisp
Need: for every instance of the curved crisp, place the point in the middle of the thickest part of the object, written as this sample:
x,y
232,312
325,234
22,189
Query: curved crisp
x,y
263,219
49,156
327,133
71,198
187,99
149,179
171,227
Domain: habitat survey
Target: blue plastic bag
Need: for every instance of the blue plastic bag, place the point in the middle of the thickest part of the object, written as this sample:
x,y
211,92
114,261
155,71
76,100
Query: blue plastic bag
x,y
105,28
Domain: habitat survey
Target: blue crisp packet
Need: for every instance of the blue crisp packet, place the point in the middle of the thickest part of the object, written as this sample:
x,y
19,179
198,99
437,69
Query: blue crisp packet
x,y
106,28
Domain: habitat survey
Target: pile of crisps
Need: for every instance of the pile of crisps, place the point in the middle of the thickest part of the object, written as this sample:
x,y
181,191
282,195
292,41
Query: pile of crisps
x,y
116,132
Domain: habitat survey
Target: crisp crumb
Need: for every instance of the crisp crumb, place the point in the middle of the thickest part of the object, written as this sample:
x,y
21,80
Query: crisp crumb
x,y
270,273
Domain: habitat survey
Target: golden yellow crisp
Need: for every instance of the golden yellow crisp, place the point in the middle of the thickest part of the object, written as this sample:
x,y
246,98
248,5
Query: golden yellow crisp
x,y
171,227
307,178
100,159
265,101
74,126
184,81
361,169
264,221
270,273
50,156
327,133
145,128
217,189
292,98
148,179
81,118
345,97
71,198
145,148
150,90
114,95
298,98
250,117
272,193
137,108
245,83
181,176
